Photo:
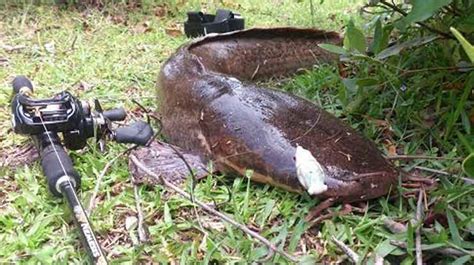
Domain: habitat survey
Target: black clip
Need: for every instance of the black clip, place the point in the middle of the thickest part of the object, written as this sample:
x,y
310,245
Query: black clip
x,y
199,24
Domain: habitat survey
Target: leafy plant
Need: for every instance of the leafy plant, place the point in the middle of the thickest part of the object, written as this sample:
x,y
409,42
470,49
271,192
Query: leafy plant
x,y
412,52
468,48
417,67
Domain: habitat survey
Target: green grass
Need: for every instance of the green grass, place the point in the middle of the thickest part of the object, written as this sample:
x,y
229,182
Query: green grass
x,y
116,61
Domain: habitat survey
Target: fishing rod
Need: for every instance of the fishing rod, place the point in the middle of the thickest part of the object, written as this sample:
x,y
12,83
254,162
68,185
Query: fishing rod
x,y
44,119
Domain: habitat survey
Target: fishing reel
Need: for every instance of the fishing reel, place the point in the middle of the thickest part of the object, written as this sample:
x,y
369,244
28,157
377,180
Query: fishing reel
x,y
76,120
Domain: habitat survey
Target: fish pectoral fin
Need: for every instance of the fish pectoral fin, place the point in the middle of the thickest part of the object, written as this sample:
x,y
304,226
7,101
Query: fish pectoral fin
x,y
167,161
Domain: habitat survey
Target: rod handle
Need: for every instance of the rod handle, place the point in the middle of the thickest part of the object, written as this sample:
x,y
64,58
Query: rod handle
x,y
56,163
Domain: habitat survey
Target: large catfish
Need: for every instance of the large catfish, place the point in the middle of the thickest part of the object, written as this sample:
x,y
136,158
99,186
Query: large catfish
x,y
210,108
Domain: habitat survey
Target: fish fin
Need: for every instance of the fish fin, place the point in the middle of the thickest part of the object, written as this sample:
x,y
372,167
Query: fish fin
x,y
163,159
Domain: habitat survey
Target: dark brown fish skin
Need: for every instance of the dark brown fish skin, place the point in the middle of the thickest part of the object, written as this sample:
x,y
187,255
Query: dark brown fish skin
x,y
210,108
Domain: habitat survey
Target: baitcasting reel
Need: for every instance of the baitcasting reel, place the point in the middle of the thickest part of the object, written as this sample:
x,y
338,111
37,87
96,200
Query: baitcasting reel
x,y
73,118
43,119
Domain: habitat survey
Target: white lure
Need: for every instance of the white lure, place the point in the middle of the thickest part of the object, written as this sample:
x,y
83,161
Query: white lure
x,y
309,172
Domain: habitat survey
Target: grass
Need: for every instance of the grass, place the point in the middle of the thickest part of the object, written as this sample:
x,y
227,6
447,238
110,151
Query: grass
x,y
115,56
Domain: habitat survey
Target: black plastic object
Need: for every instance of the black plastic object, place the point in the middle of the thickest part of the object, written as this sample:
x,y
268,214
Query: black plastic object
x,y
20,82
138,132
55,162
199,24
61,113
117,114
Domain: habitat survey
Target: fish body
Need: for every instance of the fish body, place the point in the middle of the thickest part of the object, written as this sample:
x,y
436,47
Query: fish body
x,y
211,107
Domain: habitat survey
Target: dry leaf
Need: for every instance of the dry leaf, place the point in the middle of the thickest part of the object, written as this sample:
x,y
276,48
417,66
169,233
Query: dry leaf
x,y
173,32
391,148
119,19
131,222
161,11
231,4
143,27
394,227
454,86
83,86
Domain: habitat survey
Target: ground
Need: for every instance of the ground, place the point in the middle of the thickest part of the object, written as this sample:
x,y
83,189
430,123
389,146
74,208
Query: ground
x,y
115,55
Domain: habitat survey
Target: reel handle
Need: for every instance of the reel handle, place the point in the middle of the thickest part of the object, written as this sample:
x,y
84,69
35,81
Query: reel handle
x,y
138,132
117,114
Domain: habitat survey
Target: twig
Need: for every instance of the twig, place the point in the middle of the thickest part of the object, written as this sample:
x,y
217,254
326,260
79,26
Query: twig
x,y
212,211
419,213
432,170
402,157
430,69
73,44
397,9
349,252
193,185
444,173
101,176
9,48
143,235
447,251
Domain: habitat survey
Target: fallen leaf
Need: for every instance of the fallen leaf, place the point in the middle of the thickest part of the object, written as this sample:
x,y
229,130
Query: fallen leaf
x,y
131,222
394,227
86,26
83,86
343,70
454,86
117,188
432,217
231,4
161,11
119,19
174,32
143,27
391,148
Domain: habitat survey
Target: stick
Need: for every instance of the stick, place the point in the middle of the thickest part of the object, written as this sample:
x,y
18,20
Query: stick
x,y
402,157
142,229
444,173
214,212
349,252
419,212
448,251
397,9
101,176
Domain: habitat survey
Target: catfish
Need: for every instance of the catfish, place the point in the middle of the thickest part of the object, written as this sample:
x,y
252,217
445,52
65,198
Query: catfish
x,y
212,109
